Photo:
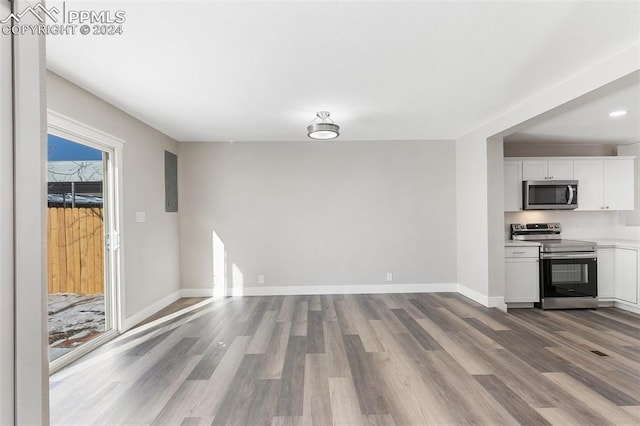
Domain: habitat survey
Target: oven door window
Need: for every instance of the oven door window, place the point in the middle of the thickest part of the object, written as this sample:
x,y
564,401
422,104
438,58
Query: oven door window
x,y
569,277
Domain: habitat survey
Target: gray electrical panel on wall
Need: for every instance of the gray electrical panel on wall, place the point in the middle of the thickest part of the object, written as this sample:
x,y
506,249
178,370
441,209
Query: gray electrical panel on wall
x,y
170,182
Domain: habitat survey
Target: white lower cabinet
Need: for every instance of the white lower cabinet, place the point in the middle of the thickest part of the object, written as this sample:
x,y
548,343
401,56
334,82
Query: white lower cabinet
x,y
626,275
606,273
522,284
618,276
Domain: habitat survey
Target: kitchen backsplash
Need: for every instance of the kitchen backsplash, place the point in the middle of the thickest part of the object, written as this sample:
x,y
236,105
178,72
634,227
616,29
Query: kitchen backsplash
x,y
576,224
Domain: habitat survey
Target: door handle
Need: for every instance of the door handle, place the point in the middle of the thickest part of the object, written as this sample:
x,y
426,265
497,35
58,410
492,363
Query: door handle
x,y
570,194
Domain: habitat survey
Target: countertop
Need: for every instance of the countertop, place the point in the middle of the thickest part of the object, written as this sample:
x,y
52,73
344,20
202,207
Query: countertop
x,y
602,242
634,244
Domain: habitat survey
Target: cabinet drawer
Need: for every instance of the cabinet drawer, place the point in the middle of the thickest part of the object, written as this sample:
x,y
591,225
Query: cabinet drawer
x,y
522,252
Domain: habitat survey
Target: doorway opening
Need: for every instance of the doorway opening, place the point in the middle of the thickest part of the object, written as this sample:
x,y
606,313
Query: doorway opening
x,y
83,273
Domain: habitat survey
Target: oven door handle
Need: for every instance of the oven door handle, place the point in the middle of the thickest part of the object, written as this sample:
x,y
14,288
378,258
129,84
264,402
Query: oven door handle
x,y
569,256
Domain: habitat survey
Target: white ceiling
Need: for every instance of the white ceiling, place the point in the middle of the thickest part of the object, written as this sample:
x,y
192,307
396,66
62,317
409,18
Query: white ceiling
x,y
590,123
245,71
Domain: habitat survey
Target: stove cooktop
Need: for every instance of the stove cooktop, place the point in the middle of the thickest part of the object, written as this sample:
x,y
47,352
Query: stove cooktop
x,y
548,235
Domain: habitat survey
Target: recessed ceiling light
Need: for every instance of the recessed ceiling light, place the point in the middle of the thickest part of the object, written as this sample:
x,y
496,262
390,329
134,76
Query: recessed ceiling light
x,y
618,113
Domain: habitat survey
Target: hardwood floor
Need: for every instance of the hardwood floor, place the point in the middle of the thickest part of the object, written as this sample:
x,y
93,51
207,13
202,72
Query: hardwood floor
x,y
411,359
176,306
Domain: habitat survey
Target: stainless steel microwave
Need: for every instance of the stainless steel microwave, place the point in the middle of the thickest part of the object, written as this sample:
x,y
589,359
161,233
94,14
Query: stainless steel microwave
x,y
549,194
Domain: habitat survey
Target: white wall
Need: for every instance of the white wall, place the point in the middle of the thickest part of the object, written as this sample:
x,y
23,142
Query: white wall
x,y
472,217
30,301
545,149
151,253
6,229
495,179
318,213
632,218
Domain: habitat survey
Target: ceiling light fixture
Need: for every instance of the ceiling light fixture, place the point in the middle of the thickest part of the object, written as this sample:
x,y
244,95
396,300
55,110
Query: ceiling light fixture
x,y
618,113
323,129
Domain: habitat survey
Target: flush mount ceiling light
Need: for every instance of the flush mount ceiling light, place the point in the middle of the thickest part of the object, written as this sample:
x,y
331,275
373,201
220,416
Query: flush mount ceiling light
x,y
618,113
323,129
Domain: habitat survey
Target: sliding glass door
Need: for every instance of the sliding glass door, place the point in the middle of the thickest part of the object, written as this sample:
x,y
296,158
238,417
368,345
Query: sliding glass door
x,y
82,245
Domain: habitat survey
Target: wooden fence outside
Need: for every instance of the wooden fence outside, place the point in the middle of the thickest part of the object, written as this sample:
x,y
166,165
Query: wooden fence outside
x,y
75,242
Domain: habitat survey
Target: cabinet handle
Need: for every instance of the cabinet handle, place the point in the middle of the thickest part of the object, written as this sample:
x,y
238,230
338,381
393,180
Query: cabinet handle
x,y
519,252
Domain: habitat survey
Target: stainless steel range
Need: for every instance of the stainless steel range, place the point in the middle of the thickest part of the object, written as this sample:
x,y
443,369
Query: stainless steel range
x,y
568,268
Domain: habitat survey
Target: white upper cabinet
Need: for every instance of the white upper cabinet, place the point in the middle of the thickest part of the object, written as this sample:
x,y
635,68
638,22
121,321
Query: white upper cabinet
x,y
547,169
534,170
589,174
512,185
604,184
618,184
560,169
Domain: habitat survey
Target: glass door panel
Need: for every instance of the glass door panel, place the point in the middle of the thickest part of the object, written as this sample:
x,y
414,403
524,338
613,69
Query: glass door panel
x,y
79,302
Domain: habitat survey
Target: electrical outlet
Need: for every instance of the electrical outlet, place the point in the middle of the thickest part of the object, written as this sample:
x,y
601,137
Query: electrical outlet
x,y
261,279
389,276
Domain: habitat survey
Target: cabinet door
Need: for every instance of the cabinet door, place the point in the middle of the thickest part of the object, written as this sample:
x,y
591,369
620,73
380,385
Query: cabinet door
x,y
589,174
618,184
512,185
534,170
606,272
560,169
521,280
626,273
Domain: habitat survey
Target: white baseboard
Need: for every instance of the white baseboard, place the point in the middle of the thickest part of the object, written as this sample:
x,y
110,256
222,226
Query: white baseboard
x,y
196,292
606,303
520,305
609,302
489,302
498,303
627,306
302,290
473,295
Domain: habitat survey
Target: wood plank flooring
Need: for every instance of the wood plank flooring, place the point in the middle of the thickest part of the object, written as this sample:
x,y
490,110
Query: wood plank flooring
x,y
176,306
410,359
